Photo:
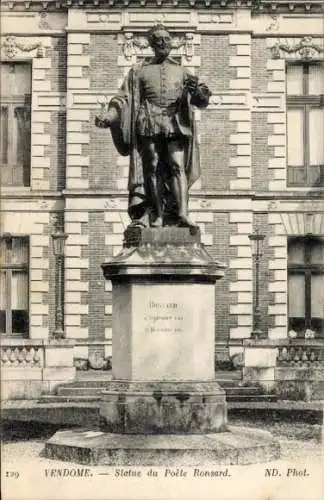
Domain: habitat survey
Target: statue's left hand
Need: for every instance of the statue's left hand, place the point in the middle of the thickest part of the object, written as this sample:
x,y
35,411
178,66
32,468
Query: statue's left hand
x,y
203,90
201,96
101,122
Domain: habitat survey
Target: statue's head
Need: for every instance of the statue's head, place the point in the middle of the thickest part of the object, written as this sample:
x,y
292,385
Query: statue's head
x,y
160,40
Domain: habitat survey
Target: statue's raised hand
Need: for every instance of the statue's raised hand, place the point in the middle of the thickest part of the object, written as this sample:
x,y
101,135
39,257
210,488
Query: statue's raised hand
x,y
200,97
107,118
102,122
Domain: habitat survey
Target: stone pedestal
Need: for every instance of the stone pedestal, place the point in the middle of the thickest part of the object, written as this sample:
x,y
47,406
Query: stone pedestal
x,y
163,405
163,336
260,359
158,407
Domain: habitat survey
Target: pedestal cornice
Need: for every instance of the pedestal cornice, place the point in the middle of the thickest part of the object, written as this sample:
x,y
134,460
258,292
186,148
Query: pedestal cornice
x,y
150,254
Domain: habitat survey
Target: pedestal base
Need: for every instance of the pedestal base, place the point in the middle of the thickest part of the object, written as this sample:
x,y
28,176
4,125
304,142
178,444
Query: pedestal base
x,y
239,446
161,407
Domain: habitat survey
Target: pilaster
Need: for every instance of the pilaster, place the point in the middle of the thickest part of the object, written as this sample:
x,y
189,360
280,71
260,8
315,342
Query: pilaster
x,y
78,86
76,287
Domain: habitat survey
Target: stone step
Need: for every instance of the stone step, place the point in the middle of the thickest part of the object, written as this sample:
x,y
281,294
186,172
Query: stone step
x,y
228,383
80,391
228,375
84,384
87,383
101,379
53,398
245,389
105,383
250,398
230,398
72,390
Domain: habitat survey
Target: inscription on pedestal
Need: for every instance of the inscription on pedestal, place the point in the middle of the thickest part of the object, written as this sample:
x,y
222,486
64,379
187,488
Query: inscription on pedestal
x,y
167,324
164,317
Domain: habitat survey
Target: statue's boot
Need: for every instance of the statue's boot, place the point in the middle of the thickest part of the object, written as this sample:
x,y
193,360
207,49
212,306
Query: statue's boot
x,y
157,220
185,221
142,221
180,191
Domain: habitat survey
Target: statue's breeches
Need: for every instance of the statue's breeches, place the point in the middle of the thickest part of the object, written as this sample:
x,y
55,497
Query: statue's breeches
x,y
153,120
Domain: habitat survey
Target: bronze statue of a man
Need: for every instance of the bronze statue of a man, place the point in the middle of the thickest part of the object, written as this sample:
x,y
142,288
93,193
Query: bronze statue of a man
x,y
151,120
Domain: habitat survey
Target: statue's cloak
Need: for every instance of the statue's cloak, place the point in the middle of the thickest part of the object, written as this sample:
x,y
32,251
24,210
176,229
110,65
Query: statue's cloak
x,y
125,139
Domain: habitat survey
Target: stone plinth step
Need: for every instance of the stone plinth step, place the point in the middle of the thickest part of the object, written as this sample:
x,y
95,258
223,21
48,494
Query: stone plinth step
x,y
245,389
96,395
228,375
53,398
103,377
87,382
251,397
91,388
96,390
237,446
80,391
224,381
82,398
229,383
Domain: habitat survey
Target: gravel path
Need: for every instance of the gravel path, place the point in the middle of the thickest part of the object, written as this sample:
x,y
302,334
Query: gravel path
x,y
22,451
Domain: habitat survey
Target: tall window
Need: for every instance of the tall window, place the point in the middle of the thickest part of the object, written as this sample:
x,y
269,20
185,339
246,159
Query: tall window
x,y
306,285
305,124
15,124
14,293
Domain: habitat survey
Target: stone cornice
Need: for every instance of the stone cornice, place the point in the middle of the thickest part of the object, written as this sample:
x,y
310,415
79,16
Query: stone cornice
x,y
297,6
257,6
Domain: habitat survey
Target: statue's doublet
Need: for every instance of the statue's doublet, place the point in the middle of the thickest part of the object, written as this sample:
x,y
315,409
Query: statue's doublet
x,y
161,86
161,83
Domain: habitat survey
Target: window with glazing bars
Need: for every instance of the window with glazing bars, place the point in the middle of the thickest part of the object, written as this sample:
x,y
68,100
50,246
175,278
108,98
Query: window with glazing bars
x,y
305,124
306,284
14,289
15,124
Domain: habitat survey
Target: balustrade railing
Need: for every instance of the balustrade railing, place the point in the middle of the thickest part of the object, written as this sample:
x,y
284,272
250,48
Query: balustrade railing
x,y
22,356
301,354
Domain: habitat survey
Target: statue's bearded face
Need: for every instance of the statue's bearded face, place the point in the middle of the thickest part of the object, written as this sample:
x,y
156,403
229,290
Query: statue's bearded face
x,y
161,43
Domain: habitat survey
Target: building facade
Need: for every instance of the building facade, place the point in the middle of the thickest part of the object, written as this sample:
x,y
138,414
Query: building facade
x,y
262,157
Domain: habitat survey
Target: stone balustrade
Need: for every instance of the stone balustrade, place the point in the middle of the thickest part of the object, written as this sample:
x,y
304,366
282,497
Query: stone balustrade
x,y
21,356
300,369
301,353
291,368
31,367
